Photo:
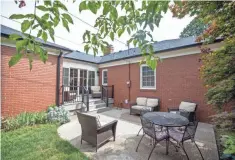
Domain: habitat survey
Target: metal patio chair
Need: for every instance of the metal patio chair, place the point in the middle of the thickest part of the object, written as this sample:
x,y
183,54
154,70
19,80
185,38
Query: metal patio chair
x,y
149,129
180,136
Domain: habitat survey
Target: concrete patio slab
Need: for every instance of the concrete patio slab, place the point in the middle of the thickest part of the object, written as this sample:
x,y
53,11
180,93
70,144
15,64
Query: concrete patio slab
x,y
126,141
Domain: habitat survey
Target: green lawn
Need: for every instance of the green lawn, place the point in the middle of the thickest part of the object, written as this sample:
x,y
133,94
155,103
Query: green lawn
x,y
39,142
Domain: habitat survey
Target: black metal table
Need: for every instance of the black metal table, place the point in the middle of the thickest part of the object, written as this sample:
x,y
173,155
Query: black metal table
x,y
166,119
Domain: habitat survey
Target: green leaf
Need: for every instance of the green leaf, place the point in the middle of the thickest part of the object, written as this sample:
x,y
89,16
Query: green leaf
x,y
56,20
52,33
92,7
39,33
106,9
42,8
114,13
35,26
65,24
44,36
151,27
29,16
61,5
21,44
47,2
86,48
82,6
43,55
135,42
16,16
15,59
15,36
111,35
120,32
128,30
30,61
67,17
25,25
45,16
94,40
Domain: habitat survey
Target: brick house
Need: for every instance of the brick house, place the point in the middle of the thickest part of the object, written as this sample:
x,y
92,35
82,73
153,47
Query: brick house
x,y
174,80
25,90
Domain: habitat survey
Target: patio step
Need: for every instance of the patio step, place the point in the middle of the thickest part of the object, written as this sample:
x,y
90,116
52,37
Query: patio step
x,y
94,105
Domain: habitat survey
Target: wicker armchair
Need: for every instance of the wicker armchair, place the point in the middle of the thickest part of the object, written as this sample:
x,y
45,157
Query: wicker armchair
x,y
95,92
93,133
186,106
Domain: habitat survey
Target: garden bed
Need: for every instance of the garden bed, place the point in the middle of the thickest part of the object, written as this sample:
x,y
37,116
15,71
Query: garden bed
x,y
220,141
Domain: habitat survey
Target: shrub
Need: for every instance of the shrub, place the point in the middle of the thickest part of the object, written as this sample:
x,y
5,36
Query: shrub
x,y
24,119
223,120
228,144
58,114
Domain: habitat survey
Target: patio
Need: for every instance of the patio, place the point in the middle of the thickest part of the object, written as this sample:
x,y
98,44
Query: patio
x,y
126,140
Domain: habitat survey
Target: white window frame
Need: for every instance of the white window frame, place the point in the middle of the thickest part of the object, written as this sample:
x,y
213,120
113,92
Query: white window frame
x,y
141,78
67,77
104,70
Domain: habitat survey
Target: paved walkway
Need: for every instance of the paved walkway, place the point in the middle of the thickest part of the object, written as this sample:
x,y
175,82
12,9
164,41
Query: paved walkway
x,y
126,141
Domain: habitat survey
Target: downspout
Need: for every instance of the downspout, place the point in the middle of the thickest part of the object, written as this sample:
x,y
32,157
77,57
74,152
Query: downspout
x,y
129,76
58,79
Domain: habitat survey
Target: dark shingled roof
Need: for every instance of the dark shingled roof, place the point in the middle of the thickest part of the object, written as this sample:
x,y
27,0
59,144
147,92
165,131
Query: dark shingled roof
x,y
165,45
6,31
76,55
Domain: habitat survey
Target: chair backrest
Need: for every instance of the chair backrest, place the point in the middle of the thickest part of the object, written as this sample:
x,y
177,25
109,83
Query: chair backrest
x,y
141,101
95,88
185,113
188,106
152,102
88,123
148,127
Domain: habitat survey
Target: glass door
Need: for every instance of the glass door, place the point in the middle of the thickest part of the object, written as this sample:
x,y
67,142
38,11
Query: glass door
x,y
73,79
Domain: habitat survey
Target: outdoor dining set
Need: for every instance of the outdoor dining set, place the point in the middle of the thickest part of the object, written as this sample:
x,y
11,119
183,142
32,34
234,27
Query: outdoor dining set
x,y
174,127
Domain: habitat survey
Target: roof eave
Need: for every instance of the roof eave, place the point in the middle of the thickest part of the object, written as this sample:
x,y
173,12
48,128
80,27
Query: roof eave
x,y
44,44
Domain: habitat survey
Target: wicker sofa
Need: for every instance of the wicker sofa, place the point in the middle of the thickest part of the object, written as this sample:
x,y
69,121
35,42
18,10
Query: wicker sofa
x,y
143,103
95,133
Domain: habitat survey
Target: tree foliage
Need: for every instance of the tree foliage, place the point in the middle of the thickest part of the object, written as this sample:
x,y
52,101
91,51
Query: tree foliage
x,y
115,18
218,71
45,24
194,28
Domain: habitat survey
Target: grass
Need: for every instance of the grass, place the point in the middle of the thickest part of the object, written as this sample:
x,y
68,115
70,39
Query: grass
x,y
40,142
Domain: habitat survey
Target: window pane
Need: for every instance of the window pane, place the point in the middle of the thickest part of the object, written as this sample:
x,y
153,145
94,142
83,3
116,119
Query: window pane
x,y
148,77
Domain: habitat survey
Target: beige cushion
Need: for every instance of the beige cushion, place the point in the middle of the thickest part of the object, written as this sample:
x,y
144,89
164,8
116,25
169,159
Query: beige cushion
x,y
95,92
142,108
141,101
152,102
187,106
95,88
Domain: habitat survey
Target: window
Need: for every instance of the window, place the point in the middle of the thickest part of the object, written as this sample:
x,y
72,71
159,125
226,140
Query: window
x,y
147,77
104,77
65,76
91,78
73,79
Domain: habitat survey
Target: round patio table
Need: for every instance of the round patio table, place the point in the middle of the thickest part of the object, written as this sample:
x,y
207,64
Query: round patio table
x,y
166,119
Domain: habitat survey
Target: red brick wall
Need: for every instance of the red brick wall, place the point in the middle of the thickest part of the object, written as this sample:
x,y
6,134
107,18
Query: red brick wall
x,y
177,79
25,90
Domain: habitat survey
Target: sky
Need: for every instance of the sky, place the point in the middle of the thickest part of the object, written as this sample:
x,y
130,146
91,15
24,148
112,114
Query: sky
x,y
169,27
